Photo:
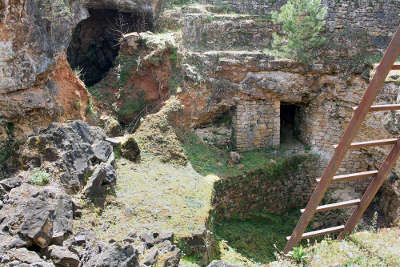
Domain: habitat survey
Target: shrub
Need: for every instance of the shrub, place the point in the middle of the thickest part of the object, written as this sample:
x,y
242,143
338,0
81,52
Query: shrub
x,y
299,254
302,23
40,177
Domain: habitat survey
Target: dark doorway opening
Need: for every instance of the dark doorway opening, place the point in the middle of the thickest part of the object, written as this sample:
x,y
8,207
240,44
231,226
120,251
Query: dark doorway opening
x,y
95,41
290,120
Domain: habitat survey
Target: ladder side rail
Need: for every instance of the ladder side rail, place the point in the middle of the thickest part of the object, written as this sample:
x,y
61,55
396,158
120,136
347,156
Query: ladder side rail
x,y
372,189
391,54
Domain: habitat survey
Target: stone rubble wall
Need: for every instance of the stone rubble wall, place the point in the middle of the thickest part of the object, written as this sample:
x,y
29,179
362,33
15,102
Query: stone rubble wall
x,y
257,124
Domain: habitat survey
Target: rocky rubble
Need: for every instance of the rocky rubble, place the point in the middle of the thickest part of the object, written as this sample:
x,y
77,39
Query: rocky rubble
x,y
36,222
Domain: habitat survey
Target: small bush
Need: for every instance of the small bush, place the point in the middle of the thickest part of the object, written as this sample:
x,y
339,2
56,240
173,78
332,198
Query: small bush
x,y
40,177
299,254
302,23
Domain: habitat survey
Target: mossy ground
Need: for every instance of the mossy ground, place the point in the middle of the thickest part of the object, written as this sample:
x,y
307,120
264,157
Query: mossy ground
x,y
155,195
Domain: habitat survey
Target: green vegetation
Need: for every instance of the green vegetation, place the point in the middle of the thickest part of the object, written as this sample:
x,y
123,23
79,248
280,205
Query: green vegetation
x,y
302,23
299,254
256,239
40,177
55,10
133,106
125,64
176,76
206,160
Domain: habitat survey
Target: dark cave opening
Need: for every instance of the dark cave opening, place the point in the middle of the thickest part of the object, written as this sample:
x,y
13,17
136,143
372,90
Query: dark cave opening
x,y
95,41
289,130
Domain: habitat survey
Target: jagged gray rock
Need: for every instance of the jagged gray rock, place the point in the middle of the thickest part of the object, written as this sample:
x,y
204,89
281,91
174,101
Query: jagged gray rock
x,y
43,216
104,174
70,151
115,256
63,257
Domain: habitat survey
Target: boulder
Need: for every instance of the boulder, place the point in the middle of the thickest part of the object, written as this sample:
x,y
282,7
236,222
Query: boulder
x,y
115,256
235,157
112,127
11,183
26,256
130,149
103,175
61,256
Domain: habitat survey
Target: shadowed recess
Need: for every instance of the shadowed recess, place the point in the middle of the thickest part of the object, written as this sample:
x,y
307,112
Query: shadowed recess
x,y
95,41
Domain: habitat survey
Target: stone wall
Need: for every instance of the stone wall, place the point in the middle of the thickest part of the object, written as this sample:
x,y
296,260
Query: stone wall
x,y
257,124
379,17
281,185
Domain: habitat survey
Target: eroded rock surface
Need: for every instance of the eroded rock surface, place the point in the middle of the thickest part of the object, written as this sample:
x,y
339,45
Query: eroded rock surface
x,y
70,152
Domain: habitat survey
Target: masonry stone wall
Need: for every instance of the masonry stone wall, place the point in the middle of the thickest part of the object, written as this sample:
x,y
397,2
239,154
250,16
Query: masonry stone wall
x,y
379,17
257,124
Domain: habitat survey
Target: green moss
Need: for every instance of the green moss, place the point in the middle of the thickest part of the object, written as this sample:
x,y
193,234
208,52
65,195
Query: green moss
x,y
208,160
133,106
256,239
126,63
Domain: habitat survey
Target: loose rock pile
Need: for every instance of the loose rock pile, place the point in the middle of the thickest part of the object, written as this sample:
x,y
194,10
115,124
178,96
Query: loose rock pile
x,y
36,221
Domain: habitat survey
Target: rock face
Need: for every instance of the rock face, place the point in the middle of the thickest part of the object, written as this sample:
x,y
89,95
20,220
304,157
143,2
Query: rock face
x,y
141,78
70,152
37,85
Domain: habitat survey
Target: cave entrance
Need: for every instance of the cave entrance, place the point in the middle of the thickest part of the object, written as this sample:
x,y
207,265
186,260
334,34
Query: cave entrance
x,y
95,41
290,120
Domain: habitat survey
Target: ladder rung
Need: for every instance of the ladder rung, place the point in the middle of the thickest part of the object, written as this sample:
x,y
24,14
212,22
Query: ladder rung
x,y
321,232
382,142
338,205
383,107
396,67
351,176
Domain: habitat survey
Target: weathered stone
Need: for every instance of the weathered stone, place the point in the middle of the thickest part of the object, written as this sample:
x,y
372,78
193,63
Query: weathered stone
x,y
11,183
235,157
38,224
151,257
103,175
221,264
40,215
61,256
26,256
77,147
112,127
115,256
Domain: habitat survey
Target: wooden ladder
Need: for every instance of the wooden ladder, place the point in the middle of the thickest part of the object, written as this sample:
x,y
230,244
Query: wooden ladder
x,y
360,112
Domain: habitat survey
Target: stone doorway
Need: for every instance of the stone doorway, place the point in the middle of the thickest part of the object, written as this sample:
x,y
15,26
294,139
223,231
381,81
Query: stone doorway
x,y
289,123
95,41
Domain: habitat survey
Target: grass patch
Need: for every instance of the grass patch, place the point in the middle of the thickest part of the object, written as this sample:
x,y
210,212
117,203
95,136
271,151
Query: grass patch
x,y
255,239
206,159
